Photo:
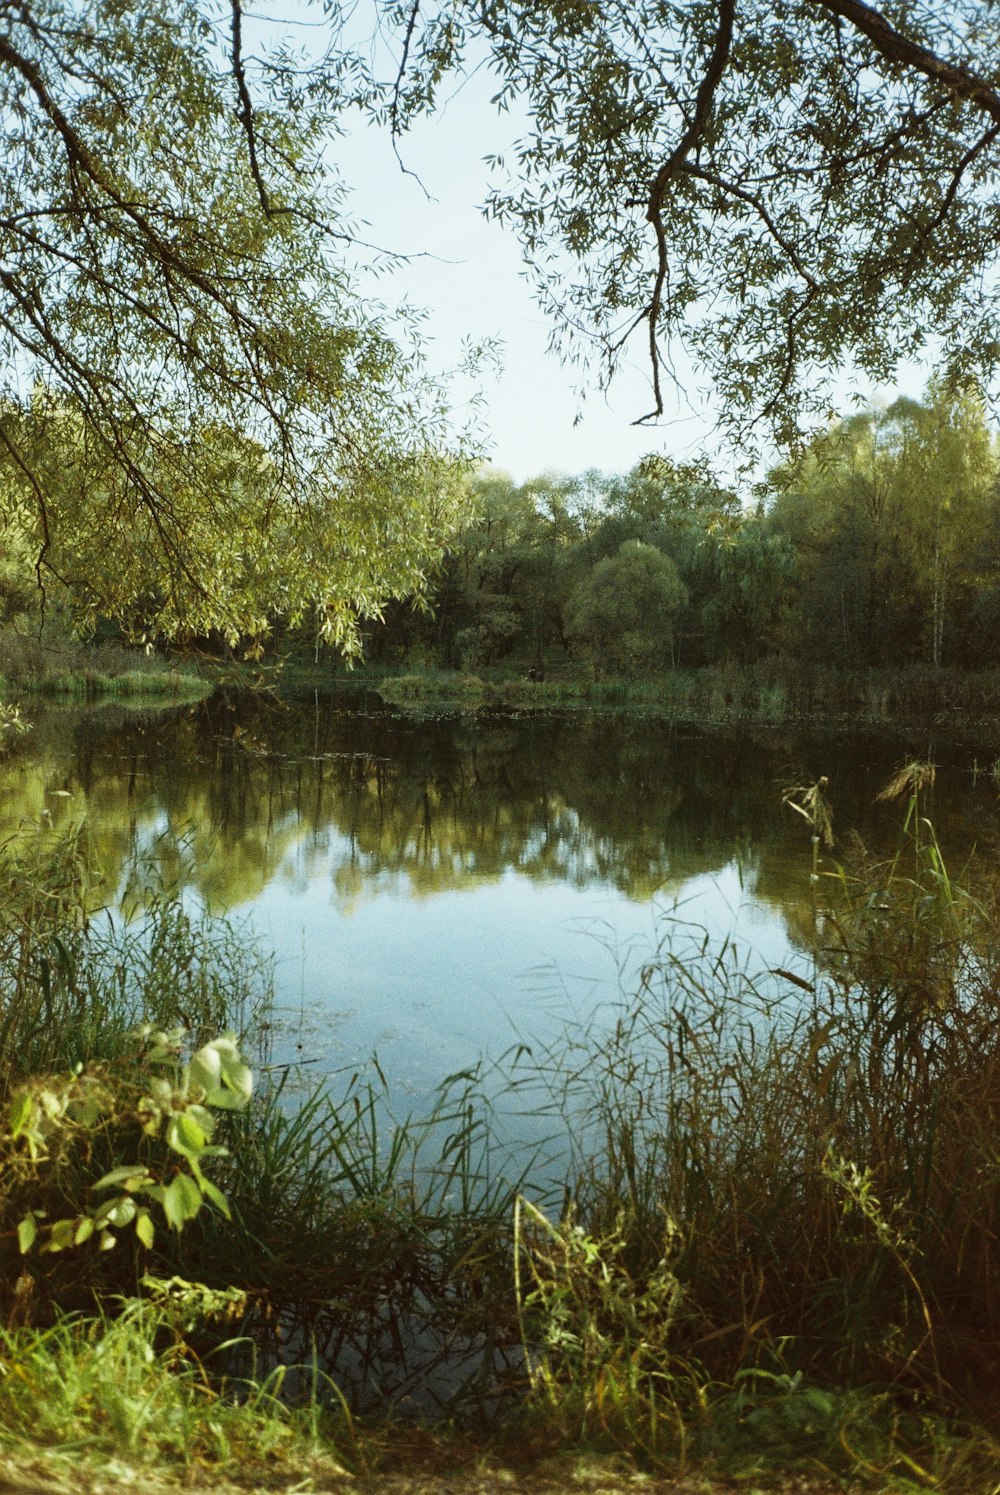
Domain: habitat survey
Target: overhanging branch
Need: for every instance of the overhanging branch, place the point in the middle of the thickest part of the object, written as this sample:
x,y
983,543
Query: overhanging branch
x,y
895,47
654,212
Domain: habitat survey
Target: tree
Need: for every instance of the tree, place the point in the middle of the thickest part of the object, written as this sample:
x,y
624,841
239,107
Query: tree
x,y
945,470
204,422
623,610
783,188
891,514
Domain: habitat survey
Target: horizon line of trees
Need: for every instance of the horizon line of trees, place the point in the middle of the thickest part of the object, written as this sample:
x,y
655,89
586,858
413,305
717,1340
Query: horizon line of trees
x,y
878,545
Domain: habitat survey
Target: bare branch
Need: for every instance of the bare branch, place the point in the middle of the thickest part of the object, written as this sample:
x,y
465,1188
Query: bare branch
x,y
245,113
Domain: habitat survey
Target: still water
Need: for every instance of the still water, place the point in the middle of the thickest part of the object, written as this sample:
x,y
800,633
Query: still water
x,y
436,889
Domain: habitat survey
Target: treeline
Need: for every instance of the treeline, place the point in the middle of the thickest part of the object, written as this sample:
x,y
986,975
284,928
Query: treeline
x,y
878,545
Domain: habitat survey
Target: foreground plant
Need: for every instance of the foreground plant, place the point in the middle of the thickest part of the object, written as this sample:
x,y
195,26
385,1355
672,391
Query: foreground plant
x,y
124,1384
163,1105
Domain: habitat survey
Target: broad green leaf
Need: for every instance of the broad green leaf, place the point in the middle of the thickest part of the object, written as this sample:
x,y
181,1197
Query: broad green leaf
x,y
144,1229
20,1113
216,1196
27,1231
84,1230
185,1136
181,1201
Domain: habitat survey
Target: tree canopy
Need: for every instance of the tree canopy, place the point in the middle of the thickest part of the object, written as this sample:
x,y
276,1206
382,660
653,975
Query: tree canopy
x,y
201,423
784,189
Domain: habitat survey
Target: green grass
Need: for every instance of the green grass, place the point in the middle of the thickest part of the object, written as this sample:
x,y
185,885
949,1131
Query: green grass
x,y
122,1391
89,685
41,666
770,693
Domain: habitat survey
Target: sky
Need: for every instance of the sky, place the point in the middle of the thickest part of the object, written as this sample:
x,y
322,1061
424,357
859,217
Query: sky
x,y
474,285
467,274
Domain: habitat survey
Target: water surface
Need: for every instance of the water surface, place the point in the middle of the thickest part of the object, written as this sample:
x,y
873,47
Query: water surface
x,y
440,888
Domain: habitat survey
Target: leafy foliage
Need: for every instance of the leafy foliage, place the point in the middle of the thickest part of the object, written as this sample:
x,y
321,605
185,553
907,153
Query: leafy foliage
x,y
201,426
624,609
782,192
164,1099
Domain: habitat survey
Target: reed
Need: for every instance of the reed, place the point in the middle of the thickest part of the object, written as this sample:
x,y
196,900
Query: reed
x,y
811,1153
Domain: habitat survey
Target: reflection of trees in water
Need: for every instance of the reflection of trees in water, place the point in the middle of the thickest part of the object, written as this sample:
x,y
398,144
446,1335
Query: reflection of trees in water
x,y
232,792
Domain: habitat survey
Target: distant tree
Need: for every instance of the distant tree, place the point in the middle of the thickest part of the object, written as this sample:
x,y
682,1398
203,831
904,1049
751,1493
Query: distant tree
x,y
944,470
623,611
888,513
744,611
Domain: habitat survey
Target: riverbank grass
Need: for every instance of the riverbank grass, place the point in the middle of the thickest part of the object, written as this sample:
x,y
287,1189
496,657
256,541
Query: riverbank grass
x,y
771,693
65,670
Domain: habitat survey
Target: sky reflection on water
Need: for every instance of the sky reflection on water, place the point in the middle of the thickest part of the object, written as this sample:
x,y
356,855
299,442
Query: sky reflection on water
x,y
443,889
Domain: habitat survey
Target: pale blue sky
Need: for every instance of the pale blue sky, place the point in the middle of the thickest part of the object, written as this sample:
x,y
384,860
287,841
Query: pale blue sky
x,y
473,286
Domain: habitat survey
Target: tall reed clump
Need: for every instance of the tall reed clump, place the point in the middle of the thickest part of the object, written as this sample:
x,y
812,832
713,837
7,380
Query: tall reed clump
x,y
381,1244
789,1182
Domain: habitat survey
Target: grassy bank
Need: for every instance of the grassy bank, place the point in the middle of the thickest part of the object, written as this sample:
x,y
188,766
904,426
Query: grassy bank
x,y
63,670
767,1243
766,694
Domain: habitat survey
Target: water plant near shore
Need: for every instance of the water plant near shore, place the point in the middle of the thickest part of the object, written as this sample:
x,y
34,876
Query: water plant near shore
x,y
772,692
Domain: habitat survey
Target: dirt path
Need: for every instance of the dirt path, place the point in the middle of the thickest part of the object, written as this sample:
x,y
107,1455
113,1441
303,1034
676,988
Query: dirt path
x,y
59,1476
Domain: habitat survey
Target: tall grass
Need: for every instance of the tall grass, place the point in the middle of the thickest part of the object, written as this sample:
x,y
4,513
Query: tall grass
x,y
382,1244
124,1390
811,1155
36,664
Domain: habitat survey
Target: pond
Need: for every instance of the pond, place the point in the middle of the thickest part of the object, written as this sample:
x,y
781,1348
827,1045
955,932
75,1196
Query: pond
x,y
440,888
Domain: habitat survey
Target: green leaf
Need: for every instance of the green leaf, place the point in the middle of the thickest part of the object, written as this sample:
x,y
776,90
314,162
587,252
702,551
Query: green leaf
x,y
84,1230
27,1230
216,1197
133,1175
181,1201
61,1236
185,1136
119,1213
145,1229
20,1113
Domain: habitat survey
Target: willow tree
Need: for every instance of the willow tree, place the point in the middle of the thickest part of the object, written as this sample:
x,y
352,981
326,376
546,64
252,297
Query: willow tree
x,y
785,189
201,424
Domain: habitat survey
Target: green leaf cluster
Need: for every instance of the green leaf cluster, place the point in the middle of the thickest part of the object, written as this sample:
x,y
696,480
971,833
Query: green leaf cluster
x,y
202,424
162,1109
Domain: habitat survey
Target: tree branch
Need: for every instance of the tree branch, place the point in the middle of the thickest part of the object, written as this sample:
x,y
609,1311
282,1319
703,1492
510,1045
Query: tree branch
x,y
245,113
895,47
732,189
654,212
